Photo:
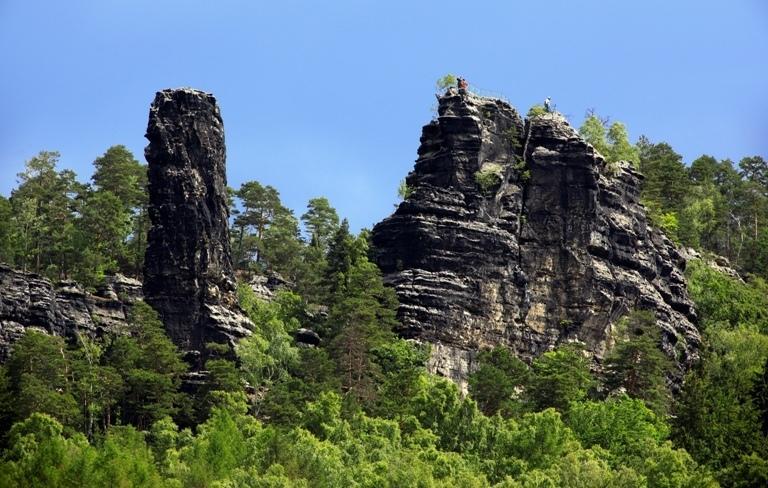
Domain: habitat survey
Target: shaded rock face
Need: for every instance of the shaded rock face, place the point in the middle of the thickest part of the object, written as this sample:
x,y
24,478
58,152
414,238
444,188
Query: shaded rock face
x,y
65,309
188,275
558,250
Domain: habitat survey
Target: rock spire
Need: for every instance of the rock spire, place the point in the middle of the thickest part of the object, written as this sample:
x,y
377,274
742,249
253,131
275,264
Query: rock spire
x,y
188,276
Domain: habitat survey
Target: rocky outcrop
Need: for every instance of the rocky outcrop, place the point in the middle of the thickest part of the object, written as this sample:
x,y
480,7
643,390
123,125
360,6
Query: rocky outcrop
x,y
721,264
66,309
518,233
265,287
188,275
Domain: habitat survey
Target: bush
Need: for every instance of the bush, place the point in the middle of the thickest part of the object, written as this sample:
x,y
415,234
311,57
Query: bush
x,y
446,81
403,190
489,176
536,111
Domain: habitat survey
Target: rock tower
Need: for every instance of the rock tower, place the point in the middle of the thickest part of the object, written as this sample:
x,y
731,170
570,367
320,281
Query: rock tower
x,y
188,276
518,233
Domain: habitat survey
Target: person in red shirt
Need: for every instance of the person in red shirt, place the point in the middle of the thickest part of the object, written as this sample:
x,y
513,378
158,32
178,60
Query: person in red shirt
x,y
463,85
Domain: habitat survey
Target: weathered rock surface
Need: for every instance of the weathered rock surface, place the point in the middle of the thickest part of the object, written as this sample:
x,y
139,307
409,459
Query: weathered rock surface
x,y
721,264
266,286
30,301
558,250
188,275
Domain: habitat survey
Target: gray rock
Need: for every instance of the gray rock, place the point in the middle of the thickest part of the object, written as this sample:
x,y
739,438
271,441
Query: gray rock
x,y
266,286
188,276
307,337
259,287
557,251
30,301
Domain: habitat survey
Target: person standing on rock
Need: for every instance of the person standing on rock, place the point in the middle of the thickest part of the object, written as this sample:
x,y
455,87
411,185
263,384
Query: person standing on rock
x,y
548,105
463,85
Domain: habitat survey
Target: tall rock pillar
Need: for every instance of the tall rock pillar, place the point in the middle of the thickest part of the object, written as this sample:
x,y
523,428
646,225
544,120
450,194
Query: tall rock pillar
x,y
188,276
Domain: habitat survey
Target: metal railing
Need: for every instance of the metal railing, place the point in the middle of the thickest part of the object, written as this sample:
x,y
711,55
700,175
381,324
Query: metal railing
x,y
479,92
482,92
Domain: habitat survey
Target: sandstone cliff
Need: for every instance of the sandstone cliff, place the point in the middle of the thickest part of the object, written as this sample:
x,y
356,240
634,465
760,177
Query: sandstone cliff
x,y
518,233
188,276
30,301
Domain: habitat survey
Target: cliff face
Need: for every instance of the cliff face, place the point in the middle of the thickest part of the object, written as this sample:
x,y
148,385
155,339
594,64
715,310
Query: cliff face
x,y
65,309
556,248
188,276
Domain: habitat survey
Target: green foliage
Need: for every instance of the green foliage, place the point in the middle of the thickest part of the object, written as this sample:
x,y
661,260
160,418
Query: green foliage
x,y
6,231
513,138
280,246
88,387
498,381
259,207
361,318
612,142
39,455
726,302
60,228
43,206
593,131
558,378
38,379
445,82
150,367
666,182
489,177
118,173
267,355
360,408
719,417
666,221
619,147
403,190
697,225
401,364
621,425
637,365
703,170
536,111
102,230
320,221
313,374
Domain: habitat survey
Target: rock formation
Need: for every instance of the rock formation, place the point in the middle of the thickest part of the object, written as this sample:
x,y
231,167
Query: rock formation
x,y
30,301
188,275
518,233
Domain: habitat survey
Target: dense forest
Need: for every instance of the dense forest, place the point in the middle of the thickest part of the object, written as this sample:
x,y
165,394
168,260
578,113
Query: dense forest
x,y
361,409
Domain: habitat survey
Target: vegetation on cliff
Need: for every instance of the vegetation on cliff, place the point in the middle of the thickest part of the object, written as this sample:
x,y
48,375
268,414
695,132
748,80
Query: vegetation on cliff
x,y
360,409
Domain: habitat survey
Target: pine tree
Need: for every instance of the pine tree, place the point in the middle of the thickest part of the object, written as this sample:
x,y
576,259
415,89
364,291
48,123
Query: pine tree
x,y
40,379
320,221
497,382
637,365
44,208
150,367
260,205
101,233
6,231
558,378
666,177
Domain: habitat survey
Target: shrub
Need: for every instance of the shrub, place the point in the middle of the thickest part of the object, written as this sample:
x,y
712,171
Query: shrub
x,y
445,81
489,176
536,111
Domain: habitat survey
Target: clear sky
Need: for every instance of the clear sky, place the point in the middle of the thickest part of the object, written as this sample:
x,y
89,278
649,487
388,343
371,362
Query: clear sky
x,y
328,98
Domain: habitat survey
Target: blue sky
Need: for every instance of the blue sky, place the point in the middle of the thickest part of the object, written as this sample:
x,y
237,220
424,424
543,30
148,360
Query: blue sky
x,y
328,98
